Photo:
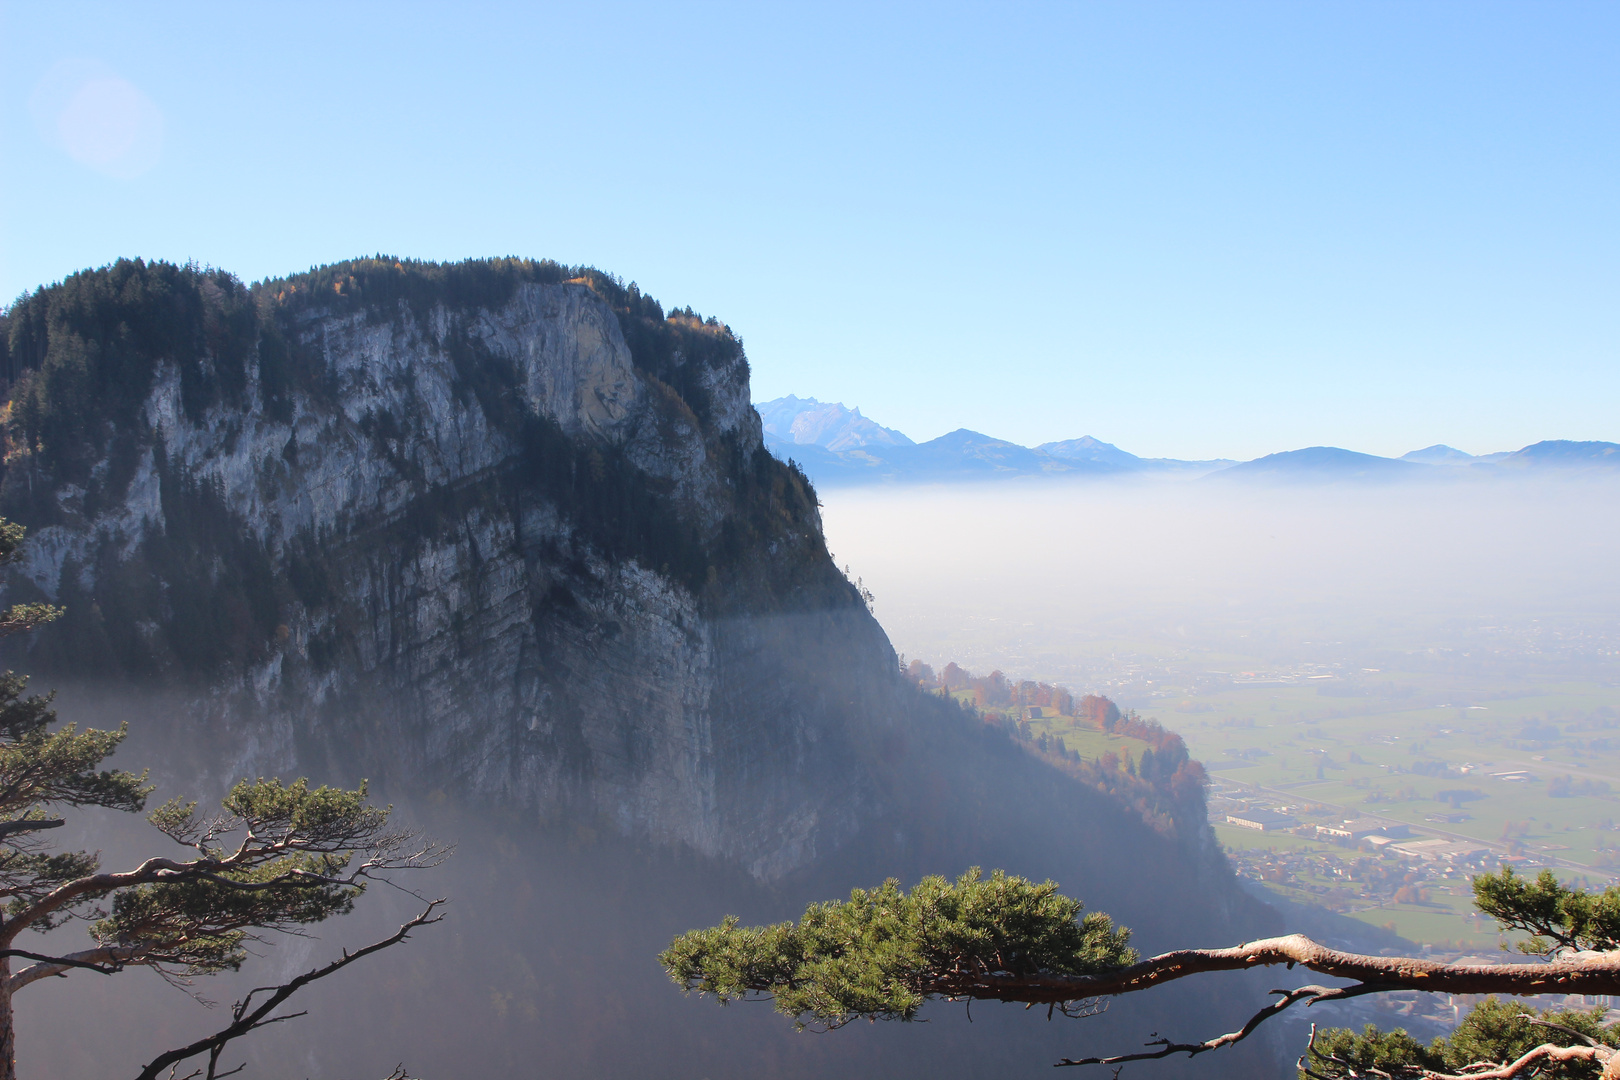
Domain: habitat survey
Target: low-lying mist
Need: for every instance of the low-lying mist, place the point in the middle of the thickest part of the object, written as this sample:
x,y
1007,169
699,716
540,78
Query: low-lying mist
x,y
1047,581
545,962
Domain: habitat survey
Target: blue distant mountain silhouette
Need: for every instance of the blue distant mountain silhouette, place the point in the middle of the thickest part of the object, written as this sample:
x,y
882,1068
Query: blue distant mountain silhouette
x,y
1563,454
837,446
1323,463
1439,454
1096,451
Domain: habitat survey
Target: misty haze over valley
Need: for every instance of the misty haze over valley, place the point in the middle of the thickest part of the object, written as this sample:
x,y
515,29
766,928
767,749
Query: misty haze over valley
x,y
1142,567
1100,584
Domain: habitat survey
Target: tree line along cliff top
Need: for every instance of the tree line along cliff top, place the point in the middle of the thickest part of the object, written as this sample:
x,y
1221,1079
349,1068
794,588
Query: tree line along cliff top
x,y
77,357
78,360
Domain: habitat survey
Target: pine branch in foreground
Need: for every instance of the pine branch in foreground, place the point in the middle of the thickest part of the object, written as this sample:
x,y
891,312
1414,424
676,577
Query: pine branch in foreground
x,y
885,952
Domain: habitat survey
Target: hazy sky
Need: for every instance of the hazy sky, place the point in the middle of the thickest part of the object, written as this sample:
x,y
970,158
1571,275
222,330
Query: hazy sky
x,y
1193,230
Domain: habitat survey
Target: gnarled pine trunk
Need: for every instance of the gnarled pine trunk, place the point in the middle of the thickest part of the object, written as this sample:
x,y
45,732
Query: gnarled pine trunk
x,y
8,1026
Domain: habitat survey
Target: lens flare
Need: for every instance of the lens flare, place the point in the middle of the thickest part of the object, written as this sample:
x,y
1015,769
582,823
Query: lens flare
x,y
99,119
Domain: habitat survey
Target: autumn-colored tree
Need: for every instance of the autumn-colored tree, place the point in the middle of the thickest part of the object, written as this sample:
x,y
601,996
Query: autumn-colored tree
x,y
1098,711
921,674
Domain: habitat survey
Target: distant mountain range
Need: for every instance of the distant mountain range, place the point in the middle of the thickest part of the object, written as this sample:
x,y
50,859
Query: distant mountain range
x,y
837,446
1333,465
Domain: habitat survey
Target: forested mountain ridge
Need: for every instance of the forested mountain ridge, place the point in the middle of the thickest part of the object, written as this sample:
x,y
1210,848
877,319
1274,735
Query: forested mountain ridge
x,y
504,533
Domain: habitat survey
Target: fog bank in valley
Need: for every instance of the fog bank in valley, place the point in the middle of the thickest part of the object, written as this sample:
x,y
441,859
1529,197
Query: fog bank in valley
x,y
1050,581
545,964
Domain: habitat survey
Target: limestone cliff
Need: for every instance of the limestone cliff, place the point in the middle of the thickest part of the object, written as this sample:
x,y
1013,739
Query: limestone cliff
x,y
453,527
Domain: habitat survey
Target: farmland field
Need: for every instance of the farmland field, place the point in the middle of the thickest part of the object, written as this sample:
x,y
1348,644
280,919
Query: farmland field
x,y
1524,771
1531,772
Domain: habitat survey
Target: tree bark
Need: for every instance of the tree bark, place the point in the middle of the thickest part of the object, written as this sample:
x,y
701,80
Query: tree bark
x,y
8,1026
1599,975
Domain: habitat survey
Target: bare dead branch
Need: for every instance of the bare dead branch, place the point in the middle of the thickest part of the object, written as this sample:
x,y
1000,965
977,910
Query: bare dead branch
x,y
108,961
246,1016
1310,1052
1310,994
1079,1010
1586,1040
110,966
1546,1053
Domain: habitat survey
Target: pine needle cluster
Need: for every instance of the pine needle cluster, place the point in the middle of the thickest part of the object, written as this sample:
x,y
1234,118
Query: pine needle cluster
x,y
884,951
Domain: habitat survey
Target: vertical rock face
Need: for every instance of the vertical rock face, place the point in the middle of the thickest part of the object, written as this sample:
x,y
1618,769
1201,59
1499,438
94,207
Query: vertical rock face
x,y
515,539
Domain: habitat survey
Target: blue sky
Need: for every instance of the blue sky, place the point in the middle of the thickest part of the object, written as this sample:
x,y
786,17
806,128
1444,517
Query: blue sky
x,y
1192,230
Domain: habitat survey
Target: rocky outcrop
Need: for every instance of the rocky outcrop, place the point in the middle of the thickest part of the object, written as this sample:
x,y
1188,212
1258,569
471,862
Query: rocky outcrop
x,y
479,547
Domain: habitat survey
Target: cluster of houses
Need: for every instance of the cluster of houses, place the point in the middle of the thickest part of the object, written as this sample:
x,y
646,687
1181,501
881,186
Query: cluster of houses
x,y
1372,834
1388,836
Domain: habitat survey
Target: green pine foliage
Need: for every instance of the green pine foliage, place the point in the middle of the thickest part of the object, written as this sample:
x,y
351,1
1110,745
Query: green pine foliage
x,y
44,767
1347,1053
42,770
1494,1031
878,954
1498,1030
299,842
1557,917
